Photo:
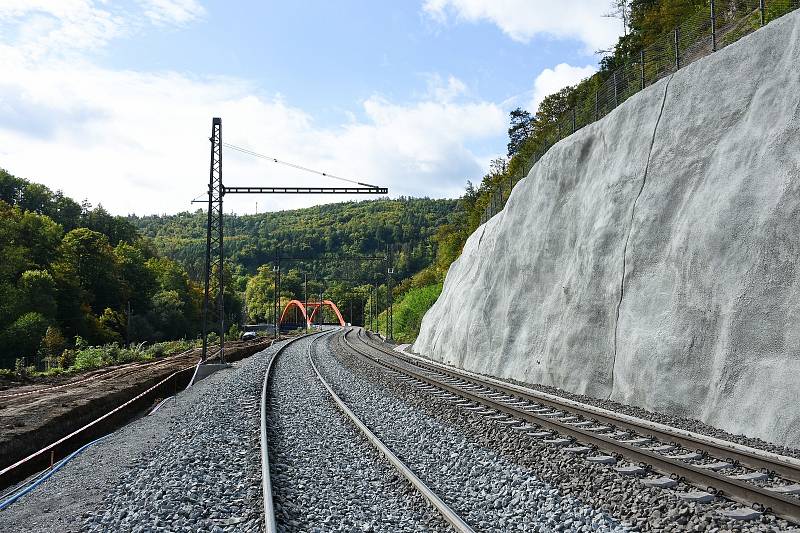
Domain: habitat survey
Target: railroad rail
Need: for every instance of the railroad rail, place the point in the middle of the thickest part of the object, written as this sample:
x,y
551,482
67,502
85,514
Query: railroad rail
x,y
270,525
599,430
446,512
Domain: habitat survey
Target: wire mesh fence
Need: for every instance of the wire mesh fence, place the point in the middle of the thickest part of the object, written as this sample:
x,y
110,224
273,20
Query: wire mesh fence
x,y
712,27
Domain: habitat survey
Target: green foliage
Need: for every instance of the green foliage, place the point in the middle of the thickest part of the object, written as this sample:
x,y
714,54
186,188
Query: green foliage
x,y
52,345
24,335
259,295
78,285
37,292
408,312
322,233
89,358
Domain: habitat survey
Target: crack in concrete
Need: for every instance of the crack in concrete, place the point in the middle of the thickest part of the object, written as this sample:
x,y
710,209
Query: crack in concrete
x,y
630,230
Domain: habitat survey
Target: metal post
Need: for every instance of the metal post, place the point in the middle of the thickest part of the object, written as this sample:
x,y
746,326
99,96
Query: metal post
x,y
596,105
713,27
677,50
615,88
276,312
641,64
762,10
305,296
388,288
214,237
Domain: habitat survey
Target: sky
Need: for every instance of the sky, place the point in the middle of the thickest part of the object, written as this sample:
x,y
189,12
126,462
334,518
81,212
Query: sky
x,y
112,101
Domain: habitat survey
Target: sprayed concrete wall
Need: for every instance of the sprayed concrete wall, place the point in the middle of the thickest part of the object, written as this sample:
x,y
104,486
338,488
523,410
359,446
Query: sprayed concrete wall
x,y
651,257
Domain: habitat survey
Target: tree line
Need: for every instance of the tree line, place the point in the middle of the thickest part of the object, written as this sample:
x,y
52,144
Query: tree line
x,y
75,274
318,244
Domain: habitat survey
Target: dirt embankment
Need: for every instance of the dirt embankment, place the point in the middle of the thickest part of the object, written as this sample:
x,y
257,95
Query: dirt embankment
x,y
33,416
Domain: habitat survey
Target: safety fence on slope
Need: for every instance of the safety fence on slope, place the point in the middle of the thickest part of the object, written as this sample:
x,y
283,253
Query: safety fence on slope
x,y
710,28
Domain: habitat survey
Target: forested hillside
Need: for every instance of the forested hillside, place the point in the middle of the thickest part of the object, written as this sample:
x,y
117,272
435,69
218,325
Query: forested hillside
x,y
332,231
318,244
70,272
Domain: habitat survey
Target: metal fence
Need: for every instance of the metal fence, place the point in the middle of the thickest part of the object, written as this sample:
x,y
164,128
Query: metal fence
x,y
711,28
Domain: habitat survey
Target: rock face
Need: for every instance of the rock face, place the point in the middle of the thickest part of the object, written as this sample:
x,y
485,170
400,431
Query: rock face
x,y
651,257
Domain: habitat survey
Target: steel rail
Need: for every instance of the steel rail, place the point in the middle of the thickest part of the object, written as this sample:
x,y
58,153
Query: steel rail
x,y
745,493
447,513
788,467
270,525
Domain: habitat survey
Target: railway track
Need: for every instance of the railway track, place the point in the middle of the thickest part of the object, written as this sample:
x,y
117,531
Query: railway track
x,y
761,480
270,522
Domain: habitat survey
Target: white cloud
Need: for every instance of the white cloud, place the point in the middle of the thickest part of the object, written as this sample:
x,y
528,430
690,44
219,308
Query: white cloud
x,y
441,91
523,20
138,141
45,26
551,80
172,11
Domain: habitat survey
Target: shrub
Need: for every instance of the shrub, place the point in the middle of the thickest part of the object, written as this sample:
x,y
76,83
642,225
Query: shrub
x,y
66,359
89,358
22,338
53,342
20,370
409,311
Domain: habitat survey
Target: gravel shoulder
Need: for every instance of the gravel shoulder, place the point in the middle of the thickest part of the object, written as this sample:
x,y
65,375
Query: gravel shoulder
x,y
144,467
325,475
688,424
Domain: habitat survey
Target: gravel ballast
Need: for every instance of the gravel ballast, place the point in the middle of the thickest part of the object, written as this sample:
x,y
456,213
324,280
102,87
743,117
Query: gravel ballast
x,y
622,497
489,491
325,475
193,465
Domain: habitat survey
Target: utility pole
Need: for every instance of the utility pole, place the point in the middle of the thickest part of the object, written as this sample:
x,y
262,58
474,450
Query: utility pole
x,y
389,272
215,225
305,296
276,299
214,236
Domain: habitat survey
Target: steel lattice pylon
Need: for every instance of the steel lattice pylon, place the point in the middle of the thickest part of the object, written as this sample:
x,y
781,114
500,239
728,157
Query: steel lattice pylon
x,y
214,315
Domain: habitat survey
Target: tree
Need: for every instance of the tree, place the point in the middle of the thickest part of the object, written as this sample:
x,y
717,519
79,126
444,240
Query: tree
x,y
37,293
139,282
259,294
22,338
87,259
621,9
167,317
52,345
117,229
520,129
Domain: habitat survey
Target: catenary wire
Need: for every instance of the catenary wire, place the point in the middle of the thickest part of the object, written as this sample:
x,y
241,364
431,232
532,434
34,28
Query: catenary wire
x,y
293,165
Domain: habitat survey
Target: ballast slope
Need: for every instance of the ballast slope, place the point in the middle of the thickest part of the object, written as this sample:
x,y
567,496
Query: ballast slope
x,y
651,256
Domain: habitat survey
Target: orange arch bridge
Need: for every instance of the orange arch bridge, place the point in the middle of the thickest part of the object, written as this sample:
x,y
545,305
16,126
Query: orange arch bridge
x,y
313,307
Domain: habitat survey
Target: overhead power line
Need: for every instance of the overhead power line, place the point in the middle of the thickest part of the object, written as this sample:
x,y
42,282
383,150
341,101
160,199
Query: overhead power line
x,y
298,167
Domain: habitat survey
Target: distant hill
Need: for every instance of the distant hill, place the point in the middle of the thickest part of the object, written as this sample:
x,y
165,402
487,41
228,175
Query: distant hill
x,y
325,232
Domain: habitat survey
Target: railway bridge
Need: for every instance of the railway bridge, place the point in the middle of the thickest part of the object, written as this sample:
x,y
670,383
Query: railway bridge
x,y
296,312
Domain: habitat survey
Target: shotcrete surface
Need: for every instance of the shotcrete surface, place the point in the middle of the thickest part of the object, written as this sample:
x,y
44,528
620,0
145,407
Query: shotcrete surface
x,y
650,257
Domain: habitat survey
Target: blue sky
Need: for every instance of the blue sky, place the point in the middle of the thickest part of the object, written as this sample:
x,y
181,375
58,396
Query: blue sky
x,y
112,101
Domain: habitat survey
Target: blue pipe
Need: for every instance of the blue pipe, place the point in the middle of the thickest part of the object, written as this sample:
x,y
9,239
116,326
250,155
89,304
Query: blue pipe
x,y
25,490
